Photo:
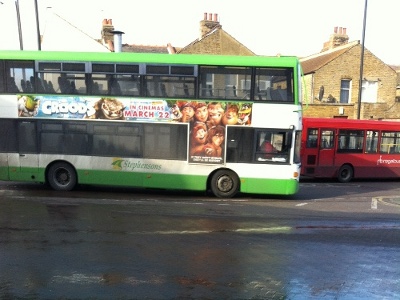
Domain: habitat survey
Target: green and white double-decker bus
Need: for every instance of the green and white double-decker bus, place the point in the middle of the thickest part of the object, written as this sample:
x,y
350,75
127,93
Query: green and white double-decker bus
x,y
187,122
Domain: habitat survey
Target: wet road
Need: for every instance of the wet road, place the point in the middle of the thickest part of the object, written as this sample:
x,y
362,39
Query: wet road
x,y
331,241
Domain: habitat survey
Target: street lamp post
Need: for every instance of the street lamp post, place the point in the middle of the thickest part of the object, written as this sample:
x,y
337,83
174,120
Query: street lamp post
x,y
21,46
37,25
362,62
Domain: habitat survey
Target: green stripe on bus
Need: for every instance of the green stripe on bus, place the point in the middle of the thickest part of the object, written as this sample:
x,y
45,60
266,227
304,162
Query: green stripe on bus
x,y
156,180
269,186
146,180
22,174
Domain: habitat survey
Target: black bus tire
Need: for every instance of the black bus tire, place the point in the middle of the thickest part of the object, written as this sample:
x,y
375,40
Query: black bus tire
x,y
61,176
224,183
345,174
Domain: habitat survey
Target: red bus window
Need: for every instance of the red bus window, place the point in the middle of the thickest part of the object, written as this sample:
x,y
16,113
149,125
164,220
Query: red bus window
x,y
326,139
351,141
371,141
390,142
312,138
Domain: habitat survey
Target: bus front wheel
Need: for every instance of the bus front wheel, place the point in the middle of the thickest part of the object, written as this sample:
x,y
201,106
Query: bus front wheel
x,y
345,173
61,176
224,184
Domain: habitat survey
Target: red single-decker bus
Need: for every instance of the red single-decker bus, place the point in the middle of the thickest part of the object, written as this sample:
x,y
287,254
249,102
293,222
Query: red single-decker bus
x,y
347,149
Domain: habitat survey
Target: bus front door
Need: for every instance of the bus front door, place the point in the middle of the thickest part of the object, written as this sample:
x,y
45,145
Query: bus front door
x,y
326,154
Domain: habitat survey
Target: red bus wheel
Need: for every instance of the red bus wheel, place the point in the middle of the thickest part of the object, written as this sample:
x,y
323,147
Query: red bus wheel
x,y
345,173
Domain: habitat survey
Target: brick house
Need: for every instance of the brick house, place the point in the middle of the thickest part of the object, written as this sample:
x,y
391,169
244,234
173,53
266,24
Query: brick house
x,y
332,80
214,40
397,68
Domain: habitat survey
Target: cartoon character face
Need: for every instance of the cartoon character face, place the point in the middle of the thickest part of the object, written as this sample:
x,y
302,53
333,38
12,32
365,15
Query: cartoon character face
x,y
215,113
176,112
201,113
112,109
200,136
244,114
216,135
231,116
217,139
27,106
187,111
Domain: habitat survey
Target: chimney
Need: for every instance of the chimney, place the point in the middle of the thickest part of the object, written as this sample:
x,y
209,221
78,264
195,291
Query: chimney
x,y
209,22
117,40
171,49
106,31
338,38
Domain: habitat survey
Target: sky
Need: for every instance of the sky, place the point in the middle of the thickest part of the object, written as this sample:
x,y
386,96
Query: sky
x,y
266,27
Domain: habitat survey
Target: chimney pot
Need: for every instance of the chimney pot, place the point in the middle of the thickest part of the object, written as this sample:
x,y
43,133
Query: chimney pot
x,y
210,17
205,16
117,40
170,49
216,17
335,29
344,30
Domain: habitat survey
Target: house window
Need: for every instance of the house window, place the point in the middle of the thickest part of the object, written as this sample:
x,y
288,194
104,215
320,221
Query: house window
x,y
369,92
345,86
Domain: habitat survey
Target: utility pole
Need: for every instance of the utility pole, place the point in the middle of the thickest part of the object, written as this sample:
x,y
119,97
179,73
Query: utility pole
x,y
362,62
37,26
21,45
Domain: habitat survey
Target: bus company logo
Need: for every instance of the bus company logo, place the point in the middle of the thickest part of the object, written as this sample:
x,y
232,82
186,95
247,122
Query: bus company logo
x,y
381,161
127,165
117,163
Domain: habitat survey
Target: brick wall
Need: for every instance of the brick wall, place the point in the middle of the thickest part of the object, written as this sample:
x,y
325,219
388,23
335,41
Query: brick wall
x,y
347,66
219,43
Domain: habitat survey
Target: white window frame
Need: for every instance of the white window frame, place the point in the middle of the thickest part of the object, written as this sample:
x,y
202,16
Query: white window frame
x,y
369,91
347,90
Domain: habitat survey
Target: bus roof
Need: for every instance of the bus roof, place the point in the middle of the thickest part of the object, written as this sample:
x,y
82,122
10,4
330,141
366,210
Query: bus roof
x,y
130,57
350,123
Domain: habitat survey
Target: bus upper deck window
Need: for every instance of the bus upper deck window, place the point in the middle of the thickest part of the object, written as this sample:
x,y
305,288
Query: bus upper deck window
x,y
273,84
19,75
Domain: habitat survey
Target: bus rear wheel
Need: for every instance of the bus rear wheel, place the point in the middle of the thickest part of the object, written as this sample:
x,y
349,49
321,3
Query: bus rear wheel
x,y
224,184
345,173
61,176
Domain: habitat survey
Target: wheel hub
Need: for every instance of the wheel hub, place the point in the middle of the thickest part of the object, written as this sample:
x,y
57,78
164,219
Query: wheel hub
x,y
225,183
